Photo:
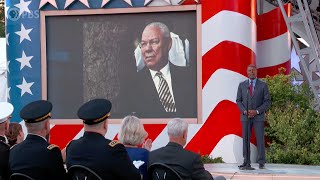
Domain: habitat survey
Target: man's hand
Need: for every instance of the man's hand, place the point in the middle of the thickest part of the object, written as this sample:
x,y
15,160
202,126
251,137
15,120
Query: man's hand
x,y
252,113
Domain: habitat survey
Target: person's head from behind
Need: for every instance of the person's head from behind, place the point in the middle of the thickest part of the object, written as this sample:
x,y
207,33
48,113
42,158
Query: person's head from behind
x,y
155,45
15,133
37,116
6,110
178,131
94,114
132,131
252,71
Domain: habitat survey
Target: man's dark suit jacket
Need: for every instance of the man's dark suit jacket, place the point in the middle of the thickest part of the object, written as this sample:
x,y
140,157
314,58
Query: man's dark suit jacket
x,y
144,98
108,159
260,100
186,163
4,158
36,158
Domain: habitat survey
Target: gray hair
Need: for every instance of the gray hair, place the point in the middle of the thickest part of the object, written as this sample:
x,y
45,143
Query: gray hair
x,y
163,28
132,131
36,127
176,127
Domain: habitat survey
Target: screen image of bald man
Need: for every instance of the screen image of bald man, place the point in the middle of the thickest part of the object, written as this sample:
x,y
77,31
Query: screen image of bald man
x,y
162,89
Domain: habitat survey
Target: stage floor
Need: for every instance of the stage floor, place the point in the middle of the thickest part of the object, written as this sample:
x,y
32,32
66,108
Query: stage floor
x,y
272,172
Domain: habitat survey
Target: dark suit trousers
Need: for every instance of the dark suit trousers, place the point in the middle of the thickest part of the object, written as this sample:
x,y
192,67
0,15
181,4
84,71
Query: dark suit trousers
x,y
259,132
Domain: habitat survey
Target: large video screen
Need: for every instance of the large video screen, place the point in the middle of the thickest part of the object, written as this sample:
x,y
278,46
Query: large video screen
x,y
141,66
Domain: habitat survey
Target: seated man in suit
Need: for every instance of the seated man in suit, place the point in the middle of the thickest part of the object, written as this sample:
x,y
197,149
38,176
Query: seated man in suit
x,y
6,110
162,89
186,163
34,156
109,159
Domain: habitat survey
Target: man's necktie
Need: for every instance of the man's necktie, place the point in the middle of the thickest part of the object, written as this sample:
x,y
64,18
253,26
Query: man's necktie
x,y
251,88
165,95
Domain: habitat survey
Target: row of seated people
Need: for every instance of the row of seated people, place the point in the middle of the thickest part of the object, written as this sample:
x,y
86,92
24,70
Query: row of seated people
x,y
105,159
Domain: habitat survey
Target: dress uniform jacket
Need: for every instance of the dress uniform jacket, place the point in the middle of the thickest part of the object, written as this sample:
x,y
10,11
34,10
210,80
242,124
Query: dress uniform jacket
x,y
108,159
4,158
38,159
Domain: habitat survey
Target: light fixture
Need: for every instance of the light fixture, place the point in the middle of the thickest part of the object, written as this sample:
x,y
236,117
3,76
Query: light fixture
x,y
303,42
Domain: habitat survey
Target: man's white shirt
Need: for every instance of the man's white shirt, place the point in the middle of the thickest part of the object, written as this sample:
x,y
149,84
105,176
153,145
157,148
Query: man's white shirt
x,y
166,75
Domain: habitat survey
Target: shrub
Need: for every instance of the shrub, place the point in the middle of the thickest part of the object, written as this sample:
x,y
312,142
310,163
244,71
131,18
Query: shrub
x,y
293,127
207,159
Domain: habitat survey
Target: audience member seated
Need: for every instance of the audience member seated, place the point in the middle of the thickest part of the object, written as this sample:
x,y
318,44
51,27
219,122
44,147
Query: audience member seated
x,y
34,156
186,163
15,134
132,134
109,159
6,110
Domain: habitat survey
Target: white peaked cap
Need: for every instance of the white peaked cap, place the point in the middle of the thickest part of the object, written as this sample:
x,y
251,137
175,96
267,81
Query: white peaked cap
x,y
6,110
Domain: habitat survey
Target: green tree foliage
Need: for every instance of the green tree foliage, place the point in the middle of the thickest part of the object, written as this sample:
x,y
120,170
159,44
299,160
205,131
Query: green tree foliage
x,y
293,128
2,27
207,159
2,30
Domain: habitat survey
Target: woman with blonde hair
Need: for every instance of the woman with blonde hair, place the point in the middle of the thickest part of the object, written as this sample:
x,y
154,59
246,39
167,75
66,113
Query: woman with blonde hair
x,y
15,134
133,135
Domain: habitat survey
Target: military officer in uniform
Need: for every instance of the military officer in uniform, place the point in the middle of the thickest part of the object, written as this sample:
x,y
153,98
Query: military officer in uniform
x,y
6,110
34,156
109,159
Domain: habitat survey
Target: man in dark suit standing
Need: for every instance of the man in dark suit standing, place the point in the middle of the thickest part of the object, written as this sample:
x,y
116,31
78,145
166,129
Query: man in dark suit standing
x,y
109,159
34,156
253,100
186,163
6,110
162,89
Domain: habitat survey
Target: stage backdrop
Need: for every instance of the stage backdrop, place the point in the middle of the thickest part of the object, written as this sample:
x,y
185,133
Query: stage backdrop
x,y
96,57
232,37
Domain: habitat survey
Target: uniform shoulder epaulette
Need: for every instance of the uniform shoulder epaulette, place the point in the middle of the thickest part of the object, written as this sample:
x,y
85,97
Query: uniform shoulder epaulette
x,y
114,143
51,146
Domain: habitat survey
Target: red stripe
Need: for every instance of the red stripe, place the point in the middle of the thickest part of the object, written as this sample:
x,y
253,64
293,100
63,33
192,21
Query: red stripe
x,y
153,130
227,55
274,70
245,7
224,120
189,2
271,24
62,134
